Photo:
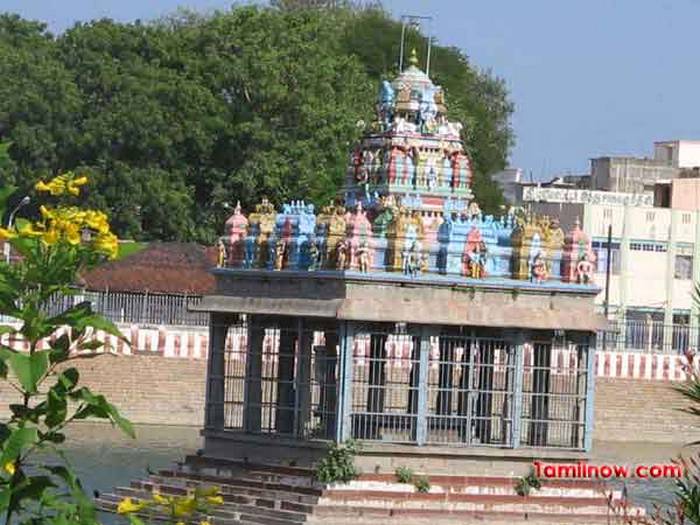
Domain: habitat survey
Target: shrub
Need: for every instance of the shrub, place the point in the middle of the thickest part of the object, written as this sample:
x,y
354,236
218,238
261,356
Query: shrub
x,y
339,464
422,484
404,475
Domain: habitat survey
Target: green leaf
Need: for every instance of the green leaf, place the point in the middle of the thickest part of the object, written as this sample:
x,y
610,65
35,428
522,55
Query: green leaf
x,y
52,437
4,329
31,487
23,412
91,345
135,520
57,408
81,316
19,439
5,432
5,193
30,368
69,378
96,405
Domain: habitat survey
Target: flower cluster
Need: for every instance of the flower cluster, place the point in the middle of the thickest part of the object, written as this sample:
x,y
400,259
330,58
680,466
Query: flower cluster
x,y
67,223
63,184
180,508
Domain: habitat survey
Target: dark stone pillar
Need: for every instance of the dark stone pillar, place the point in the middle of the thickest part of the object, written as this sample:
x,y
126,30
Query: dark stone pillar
x,y
541,387
303,380
466,385
485,396
253,378
284,415
414,382
329,392
377,381
414,379
216,370
445,374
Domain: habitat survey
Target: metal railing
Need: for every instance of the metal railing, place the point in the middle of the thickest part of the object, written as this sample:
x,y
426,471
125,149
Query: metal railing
x,y
649,336
136,308
402,385
280,381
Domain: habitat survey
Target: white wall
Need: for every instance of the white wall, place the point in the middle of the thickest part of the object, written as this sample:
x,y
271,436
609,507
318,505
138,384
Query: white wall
x,y
679,153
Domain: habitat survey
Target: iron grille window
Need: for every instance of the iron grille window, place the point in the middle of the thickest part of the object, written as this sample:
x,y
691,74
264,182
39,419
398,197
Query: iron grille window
x,y
683,267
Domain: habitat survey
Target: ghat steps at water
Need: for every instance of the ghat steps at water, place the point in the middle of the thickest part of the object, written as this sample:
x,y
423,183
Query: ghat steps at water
x,y
274,495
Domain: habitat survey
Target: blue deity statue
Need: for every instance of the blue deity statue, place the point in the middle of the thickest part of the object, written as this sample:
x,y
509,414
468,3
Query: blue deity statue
x,y
387,97
428,110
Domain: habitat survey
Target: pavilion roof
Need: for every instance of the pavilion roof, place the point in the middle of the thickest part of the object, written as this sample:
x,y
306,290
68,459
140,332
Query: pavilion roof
x,y
162,267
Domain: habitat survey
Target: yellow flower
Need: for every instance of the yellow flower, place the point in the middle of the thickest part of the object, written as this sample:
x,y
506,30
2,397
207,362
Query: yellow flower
x,y
74,185
50,237
204,522
107,244
180,523
207,491
215,500
127,506
46,213
29,230
72,233
10,468
7,234
161,500
56,186
42,186
184,507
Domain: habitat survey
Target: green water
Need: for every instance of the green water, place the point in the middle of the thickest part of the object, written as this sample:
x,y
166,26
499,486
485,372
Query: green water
x,y
104,458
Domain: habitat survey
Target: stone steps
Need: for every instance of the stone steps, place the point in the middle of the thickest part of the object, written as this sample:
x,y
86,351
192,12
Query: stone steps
x,y
237,486
272,495
234,510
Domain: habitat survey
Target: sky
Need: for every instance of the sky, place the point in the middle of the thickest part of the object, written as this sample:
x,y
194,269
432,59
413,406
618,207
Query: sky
x,y
587,77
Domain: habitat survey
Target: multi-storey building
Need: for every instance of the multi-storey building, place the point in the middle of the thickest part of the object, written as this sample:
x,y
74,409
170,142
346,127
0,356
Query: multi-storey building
x,y
653,255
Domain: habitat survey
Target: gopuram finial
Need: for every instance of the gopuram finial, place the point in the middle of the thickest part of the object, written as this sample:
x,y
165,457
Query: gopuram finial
x,y
413,60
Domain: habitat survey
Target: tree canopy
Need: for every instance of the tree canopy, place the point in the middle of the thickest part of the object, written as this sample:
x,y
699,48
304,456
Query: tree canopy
x,y
177,119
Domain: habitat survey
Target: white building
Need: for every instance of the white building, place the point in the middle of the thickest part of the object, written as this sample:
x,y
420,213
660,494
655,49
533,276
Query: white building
x,y
655,248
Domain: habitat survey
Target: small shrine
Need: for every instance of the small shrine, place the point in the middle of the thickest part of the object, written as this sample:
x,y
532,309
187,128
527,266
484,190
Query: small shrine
x,y
401,315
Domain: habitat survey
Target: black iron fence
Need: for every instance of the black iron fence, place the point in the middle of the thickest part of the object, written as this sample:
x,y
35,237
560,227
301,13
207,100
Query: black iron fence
x,y
649,336
137,308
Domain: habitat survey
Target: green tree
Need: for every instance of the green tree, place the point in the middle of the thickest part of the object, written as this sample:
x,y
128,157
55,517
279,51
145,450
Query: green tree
x,y
177,119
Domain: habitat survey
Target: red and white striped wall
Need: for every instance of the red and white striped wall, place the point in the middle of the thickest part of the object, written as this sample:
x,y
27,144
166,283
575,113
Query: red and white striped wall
x,y
193,343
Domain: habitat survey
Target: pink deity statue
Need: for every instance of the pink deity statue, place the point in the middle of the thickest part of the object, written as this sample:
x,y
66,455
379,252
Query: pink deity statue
x,y
236,230
473,246
359,232
578,257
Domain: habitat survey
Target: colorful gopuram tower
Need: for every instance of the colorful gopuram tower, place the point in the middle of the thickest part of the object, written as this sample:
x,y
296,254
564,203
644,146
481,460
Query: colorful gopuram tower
x,y
412,152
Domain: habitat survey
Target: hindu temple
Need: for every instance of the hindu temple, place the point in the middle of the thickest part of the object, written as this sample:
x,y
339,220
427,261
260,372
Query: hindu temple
x,y
401,313
404,320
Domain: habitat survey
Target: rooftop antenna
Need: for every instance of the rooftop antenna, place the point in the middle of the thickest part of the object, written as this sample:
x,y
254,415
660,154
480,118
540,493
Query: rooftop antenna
x,y
416,23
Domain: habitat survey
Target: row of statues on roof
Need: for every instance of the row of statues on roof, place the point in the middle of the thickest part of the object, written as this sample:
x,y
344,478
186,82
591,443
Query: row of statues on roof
x,y
396,239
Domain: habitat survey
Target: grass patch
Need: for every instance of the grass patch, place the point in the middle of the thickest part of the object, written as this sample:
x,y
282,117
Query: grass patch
x,y
129,248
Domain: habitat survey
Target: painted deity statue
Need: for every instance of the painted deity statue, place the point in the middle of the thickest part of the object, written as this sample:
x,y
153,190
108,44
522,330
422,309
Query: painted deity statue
x,y
341,255
412,261
221,256
428,111
363,257
477,261
584,270
280,249
539,269
314,256
385,107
